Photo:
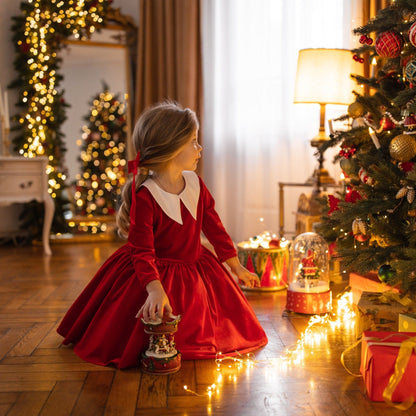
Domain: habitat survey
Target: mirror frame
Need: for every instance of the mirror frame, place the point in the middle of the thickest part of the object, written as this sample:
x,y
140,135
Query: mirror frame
x,y
117,21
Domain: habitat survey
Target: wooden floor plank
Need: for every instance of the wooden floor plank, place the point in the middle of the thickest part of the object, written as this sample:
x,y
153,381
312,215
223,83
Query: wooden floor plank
x,y
29,403
122,400
94,395
62,398
153,391
11,338
16,386
31,340
186,376
52,340
6,401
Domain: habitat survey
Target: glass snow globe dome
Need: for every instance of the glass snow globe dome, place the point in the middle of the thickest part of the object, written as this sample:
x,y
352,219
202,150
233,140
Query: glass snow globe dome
x,y
309,264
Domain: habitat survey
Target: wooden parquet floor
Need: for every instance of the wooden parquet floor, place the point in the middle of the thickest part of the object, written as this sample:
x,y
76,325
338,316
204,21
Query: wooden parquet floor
x,y
39,376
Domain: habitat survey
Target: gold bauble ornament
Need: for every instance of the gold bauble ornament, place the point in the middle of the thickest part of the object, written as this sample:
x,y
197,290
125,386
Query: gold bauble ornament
x,y
403,148
356,110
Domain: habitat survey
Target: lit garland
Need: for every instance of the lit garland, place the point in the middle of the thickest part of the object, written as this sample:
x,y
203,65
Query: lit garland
x,y
314,336
39,35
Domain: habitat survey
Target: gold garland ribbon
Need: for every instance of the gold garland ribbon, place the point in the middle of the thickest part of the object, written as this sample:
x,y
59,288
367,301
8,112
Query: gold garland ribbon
x,y
405,352
389,296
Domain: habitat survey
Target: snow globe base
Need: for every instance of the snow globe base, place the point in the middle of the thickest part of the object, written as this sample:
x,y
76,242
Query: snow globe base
x,y
166,365
309,303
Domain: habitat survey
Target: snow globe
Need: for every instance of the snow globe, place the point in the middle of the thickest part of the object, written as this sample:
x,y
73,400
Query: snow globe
x,y
308,281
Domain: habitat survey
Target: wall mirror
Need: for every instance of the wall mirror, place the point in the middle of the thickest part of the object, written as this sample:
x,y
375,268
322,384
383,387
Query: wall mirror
x,y
107,57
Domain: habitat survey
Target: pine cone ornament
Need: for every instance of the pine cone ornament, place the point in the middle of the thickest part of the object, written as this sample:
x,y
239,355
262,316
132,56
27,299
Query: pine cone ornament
x,y
410,194
359,227
401,192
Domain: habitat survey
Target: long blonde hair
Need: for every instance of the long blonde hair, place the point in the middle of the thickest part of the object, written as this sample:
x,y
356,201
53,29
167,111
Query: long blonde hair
x,y
159,134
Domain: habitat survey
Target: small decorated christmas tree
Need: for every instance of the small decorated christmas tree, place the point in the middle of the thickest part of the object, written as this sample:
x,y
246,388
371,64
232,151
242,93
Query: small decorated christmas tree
x,y
373,222
103,157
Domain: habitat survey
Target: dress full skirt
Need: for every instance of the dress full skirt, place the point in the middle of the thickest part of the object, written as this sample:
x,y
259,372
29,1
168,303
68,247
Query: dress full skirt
x,y
215,315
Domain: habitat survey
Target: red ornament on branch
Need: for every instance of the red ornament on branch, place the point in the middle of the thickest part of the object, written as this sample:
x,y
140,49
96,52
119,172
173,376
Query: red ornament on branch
x,y
389,44
386,123
351,195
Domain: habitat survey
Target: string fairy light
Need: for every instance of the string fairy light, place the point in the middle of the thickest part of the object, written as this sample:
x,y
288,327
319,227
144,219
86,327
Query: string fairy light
x,y
46,24
315,335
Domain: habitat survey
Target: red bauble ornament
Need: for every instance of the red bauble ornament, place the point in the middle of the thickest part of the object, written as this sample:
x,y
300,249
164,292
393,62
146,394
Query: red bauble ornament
x,y
351,195
361,237
369,41
363,39
389,44
386,123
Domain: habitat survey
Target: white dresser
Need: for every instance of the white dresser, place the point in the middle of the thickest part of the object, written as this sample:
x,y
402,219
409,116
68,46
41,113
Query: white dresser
x,y
22,180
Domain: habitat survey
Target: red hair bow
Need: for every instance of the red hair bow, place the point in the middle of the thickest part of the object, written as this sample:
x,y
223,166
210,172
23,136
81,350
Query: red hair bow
x,y
132,167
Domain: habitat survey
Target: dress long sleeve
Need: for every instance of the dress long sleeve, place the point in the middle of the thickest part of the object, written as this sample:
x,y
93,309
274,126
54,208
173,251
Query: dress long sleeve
x,y
213,228
141,239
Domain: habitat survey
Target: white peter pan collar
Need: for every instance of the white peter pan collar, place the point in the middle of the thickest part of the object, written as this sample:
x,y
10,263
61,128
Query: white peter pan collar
x,y
171,203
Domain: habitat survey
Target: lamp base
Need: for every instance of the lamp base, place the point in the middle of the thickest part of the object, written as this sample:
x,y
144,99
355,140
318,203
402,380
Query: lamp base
x,y
322,175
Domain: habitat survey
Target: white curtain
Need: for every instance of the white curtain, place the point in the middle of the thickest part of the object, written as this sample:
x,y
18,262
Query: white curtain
x,y
254,136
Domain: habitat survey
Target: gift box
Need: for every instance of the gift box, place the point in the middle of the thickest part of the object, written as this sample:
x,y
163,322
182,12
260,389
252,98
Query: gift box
x,y
367,283
378,312
379,351
407,322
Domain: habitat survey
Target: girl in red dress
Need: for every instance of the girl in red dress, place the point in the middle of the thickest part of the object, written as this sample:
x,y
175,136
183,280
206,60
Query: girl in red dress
x,y
163,268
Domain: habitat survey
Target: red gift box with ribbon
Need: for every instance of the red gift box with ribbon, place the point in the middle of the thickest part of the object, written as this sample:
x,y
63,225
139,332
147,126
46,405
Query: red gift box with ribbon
x,y
388,366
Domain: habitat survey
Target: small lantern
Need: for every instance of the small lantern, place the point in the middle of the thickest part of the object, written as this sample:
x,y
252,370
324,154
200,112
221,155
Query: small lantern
x,y
161,357
308,284
268,257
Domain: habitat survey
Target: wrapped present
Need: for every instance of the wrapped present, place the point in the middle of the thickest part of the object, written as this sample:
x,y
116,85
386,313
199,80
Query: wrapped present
x,y
388,366
379,312
367,283
407,322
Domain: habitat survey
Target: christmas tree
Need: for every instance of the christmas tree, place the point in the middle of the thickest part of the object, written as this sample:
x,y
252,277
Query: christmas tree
x,y
372,223
39,33
103,157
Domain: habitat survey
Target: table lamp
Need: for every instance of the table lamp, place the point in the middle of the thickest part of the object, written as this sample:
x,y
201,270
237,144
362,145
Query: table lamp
x,y
323,77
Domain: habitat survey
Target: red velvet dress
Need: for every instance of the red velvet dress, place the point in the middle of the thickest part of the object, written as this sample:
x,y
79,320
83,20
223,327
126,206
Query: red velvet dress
x,y
216,316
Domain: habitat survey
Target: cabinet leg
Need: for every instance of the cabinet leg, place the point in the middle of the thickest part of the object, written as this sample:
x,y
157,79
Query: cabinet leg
x,y
47,222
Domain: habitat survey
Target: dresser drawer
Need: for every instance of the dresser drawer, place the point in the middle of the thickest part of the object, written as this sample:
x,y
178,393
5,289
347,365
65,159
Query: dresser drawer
x,y
21,186
21,165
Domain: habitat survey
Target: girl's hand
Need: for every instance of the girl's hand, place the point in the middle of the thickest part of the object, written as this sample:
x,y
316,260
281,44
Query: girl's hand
x,y
157,303
249,279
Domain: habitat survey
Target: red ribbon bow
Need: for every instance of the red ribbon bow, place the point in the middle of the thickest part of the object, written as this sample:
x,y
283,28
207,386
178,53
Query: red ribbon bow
x,y
133,166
